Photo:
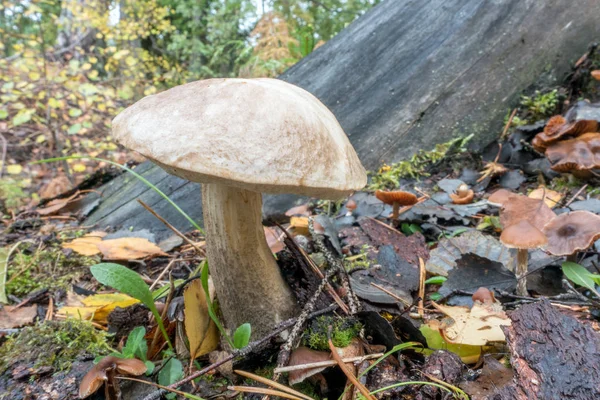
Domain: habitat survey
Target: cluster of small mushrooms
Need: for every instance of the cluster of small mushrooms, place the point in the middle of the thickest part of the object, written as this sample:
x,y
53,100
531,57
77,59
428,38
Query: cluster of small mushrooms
x,y
570,147
530,223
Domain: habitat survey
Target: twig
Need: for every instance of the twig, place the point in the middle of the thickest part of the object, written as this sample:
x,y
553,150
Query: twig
x,y
171,227
422,276
568,203
329,363
394,296
272,383
507,125
361,388
3,159
259,390
252,346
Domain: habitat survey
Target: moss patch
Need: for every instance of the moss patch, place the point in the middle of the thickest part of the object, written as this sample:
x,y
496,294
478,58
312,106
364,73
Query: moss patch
x,y
53,343
342,333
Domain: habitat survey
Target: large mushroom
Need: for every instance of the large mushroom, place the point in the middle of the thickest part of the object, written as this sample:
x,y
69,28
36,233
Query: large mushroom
x,y
104,373
577,156
572,232
558,128
517,207
241,138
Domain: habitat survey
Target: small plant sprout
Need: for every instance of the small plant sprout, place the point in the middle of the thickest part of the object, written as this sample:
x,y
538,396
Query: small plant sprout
x,y
241,138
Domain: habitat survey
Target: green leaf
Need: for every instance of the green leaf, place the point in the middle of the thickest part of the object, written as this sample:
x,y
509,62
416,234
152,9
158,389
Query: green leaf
x,y
211,311
436,280
124,280
136,344
23,116
73,129
3,272
596,278
3,114
241,337
75,112
579,275
171,372
435,296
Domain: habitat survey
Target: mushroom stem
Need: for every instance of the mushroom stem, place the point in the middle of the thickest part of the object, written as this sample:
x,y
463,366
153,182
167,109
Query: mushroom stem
x,y
521,272
572,257
111,386
247,279
395,210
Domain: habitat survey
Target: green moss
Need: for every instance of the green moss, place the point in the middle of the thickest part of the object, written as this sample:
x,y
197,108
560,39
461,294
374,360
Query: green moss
x,y
53,343
342,333
388,176
540,105
308,389
12,194
565,182
360,260
46,268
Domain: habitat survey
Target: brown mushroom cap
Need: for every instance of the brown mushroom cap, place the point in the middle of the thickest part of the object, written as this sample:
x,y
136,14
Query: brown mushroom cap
x,y
518,207
557,128
579,154
499,197
304,355
484,295
572,232
397,196
96,376
596,74
465,198
523,235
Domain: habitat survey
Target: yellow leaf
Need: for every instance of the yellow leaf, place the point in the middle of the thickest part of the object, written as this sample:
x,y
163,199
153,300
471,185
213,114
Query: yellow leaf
x,y
86,245
552,198
77,312
79,167
103,299
128,249
34,76
130,61
14,169
200,329
300,225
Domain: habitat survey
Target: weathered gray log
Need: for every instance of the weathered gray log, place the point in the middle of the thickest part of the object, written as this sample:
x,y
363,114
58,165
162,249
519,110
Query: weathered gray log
x,y
410,74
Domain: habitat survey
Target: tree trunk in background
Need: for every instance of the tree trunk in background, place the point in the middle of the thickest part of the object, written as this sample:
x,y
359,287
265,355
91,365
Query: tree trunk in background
x,y
403,77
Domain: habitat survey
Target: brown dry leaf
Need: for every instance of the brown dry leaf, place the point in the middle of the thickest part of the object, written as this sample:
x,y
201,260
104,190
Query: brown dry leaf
x,y
300,225
56,186
11,317
200,329
56,205
274,239
477,326
128,248
86,245
303,211
551,199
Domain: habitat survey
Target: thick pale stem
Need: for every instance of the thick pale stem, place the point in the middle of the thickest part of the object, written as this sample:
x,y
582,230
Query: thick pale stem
x,y
521,272
247,279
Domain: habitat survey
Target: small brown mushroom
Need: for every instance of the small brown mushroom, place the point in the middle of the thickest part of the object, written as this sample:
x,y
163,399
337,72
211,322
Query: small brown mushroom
x,y
572,232
558,128
596,74
463,195
105,372
304,355
499,197
577,156
518,207
522,236
484,295
396,199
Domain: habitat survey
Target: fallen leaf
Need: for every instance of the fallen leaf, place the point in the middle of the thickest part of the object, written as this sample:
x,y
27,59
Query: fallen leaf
x,y
56,186
274,241
86,245
96,307
200,329
12,317
477,326
551,199
55,205
468,354
14,169
128,249
303,210
299,225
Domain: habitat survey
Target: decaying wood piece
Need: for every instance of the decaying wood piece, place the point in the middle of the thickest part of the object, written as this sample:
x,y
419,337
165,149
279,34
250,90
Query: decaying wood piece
x,y
554,356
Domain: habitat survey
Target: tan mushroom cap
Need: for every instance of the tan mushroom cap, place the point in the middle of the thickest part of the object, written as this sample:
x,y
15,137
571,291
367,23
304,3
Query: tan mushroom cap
x,y
518,207
397,196
304,355
558,128
571,232
263,135
579,154
96,376
462,198
523,235
500,196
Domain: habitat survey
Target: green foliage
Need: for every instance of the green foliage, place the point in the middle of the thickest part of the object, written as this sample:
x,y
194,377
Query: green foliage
x,y
129,282
489,221
409,229
436,280
360,260
342,333
53,343
580,276
135,347
170,373
540,105
241,336
388,176
12,195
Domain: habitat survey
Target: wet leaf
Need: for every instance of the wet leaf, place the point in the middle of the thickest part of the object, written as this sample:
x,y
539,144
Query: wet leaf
x,y
128,249
13,317
86,245
552,198
241,337
201,331
579,275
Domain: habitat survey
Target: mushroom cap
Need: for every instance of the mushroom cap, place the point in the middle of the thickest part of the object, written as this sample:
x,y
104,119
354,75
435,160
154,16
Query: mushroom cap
x,y
462,198
397,196
96,376
558,128
518,207
571,232
499,197
484,295
523,235
579,154
264,135
304,355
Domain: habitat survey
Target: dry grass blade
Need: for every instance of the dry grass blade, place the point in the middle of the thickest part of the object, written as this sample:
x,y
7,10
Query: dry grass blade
x,y
268,392
326,363
361,388
392,295
422,277
271,383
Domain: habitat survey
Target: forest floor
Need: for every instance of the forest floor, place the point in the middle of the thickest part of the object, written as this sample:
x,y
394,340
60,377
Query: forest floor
x,y
424,327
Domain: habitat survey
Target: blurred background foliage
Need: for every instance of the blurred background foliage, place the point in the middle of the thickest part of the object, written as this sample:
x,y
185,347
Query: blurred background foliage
x,y
68,67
